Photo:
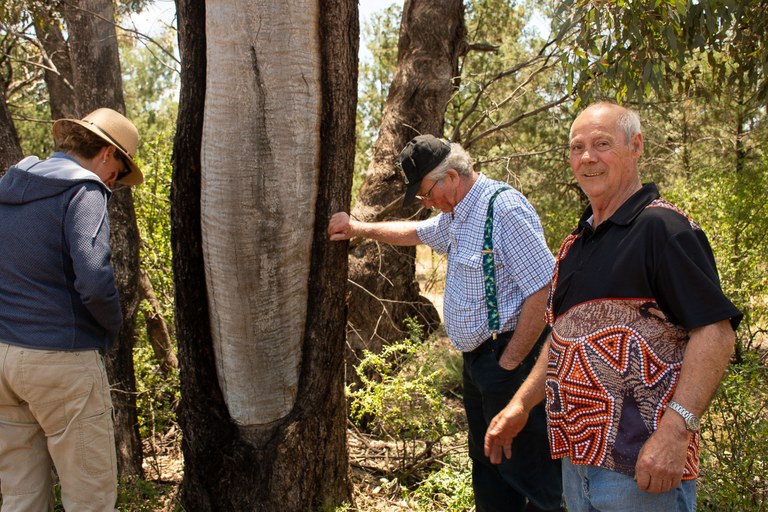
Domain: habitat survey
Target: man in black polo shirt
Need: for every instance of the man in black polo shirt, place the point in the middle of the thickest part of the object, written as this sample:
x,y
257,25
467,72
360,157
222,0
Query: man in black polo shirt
x,y
641,336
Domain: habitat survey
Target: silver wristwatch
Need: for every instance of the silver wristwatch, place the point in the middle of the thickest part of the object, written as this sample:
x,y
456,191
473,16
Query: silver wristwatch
x,y
691,420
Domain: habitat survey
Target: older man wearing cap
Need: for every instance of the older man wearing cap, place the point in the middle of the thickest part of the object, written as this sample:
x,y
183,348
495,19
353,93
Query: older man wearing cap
x,y
59,314
499,269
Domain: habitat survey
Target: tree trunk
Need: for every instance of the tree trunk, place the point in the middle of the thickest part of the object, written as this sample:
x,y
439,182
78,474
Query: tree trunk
x,y
97,83
157,328
384,291
10,149
263,155
58,73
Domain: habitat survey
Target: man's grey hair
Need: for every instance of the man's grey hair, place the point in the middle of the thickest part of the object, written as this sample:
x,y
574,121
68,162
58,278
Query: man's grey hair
x,y
458,159
628,120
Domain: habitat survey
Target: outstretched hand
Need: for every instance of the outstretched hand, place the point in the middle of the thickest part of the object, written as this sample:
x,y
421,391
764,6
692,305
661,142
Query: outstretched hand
x,y
503,428
339,227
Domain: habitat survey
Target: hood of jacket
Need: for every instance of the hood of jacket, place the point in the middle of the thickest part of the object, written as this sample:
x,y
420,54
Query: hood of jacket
x,y
33,179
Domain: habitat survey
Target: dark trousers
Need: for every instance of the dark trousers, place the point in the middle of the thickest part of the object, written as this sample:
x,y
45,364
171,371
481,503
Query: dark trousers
x,y
531,480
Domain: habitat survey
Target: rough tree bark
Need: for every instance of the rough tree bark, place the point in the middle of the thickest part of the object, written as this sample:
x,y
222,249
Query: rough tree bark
x,y
263,155
10,149
384,292
58,71
97,82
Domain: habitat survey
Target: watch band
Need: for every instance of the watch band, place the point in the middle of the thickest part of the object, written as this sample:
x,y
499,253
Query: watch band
x,y
691,420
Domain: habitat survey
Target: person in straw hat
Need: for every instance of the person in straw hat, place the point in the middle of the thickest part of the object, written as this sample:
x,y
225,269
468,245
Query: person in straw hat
x,y
59,314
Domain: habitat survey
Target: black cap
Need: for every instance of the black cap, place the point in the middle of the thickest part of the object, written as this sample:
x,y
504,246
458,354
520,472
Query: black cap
x,y
417,159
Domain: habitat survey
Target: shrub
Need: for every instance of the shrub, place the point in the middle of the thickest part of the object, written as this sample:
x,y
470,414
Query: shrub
x,y
448,489
734,447
399,398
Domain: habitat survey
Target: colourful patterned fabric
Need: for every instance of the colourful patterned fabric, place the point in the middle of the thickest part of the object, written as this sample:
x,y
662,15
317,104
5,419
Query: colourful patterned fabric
x,y
613,366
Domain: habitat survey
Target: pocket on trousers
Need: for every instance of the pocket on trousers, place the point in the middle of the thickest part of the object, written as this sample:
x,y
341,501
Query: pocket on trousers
x,y
96,439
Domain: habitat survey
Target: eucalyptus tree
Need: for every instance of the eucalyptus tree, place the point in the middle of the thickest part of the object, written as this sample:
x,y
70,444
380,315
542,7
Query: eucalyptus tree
x,y
10,149
262,156
22,87
637,47
376,69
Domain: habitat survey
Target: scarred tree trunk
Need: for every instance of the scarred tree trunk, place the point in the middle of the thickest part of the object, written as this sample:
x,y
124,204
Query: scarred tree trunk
x,y
263,155
384,292
97,81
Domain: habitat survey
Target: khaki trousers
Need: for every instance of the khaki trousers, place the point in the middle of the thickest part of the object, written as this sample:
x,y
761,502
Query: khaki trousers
x,y
55,409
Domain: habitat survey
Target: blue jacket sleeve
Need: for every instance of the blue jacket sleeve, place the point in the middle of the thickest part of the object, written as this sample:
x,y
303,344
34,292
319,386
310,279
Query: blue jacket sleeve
x,y
87,234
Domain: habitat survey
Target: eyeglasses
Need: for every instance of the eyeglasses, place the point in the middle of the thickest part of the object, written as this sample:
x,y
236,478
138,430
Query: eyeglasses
x,y
125,171
428,195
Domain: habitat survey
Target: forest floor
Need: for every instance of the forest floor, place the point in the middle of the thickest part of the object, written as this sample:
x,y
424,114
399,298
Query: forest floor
x,y
371,462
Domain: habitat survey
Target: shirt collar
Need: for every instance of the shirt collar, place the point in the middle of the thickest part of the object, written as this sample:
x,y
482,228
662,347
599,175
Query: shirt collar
x,y
627,211
467,204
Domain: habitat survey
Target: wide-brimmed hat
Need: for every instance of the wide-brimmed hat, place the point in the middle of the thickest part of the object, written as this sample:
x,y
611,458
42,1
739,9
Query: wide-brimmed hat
x,y
115,129
418,158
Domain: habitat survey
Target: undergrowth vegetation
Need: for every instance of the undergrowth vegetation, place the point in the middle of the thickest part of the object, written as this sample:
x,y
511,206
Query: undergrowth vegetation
x,y
735,441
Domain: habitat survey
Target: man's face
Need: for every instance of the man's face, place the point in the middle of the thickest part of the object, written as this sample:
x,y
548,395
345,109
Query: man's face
x,y
604,165
441,194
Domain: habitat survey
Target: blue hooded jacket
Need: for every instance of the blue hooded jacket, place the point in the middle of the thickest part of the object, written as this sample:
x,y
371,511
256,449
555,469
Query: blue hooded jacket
x,y
57,284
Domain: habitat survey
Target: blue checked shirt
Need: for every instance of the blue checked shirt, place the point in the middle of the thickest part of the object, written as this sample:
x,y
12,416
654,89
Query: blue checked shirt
x,y
523,262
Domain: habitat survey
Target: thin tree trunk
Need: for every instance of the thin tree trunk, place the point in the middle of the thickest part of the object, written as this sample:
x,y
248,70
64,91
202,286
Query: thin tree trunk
x,y
58,73
262,156
10,149
157,327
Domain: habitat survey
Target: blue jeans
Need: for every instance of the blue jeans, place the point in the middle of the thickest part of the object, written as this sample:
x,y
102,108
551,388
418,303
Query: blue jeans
x,y
593,489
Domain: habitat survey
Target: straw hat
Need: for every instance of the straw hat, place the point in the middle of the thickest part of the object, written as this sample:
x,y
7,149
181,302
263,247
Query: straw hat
x,y
116,130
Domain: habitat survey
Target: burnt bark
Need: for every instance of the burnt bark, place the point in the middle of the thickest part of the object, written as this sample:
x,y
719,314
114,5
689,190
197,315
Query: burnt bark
x,y
299,462
96,77
383,290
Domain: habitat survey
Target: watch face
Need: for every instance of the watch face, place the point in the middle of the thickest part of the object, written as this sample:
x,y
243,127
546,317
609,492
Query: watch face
x,y
691,421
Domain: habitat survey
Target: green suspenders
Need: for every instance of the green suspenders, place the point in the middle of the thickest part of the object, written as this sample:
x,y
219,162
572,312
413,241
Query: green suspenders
x,y
489,267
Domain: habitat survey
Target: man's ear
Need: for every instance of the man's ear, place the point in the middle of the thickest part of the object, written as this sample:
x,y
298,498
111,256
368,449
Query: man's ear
x,y
637,145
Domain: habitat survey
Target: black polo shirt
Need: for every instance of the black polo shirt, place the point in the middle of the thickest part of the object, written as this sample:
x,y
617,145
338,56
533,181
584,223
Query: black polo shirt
x,y
643,251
